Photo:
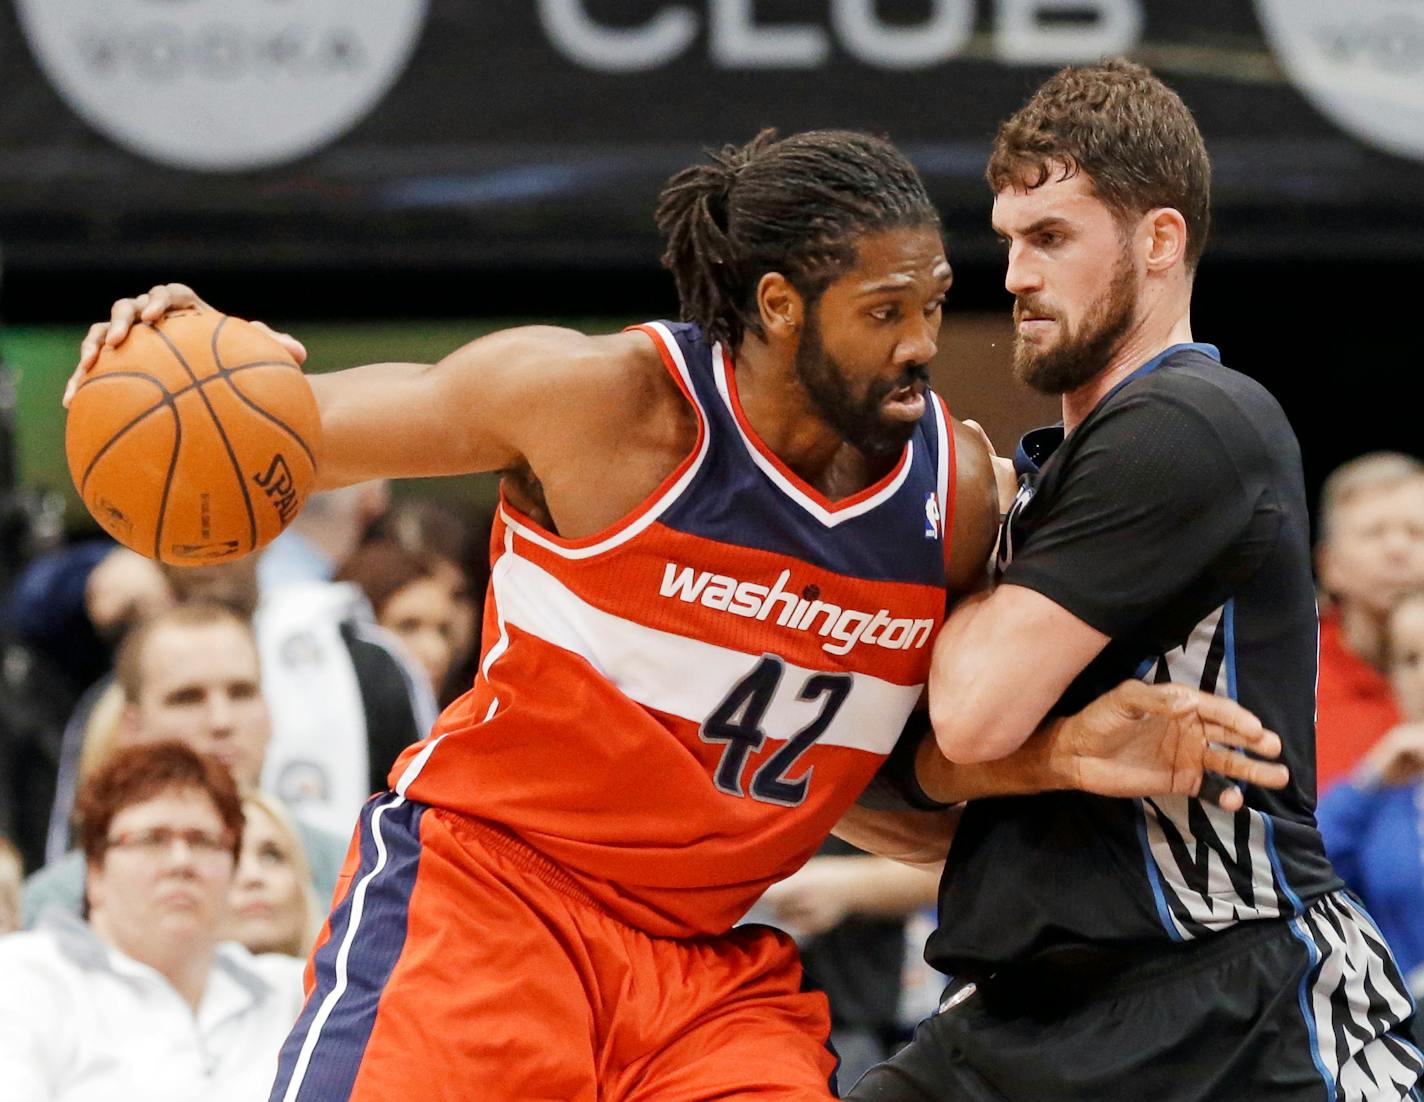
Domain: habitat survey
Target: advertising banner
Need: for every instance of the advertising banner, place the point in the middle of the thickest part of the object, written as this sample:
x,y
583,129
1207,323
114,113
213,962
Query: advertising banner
x,y
456,133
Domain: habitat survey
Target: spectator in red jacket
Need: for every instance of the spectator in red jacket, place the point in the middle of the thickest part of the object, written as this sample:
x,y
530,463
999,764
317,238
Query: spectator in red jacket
x,y
1371,552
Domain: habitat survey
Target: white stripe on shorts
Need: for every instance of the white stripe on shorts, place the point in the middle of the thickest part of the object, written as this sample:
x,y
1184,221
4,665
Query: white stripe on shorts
x,y
1352,997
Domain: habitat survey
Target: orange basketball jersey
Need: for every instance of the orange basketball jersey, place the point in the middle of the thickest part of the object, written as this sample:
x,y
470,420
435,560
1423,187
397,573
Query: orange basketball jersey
x,y
679,708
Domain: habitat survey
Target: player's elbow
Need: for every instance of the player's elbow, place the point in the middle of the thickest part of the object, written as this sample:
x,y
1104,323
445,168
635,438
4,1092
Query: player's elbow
x,y
966,738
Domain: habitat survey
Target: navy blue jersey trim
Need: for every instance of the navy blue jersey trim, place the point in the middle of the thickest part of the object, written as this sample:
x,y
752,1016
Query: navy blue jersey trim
x,y
732,500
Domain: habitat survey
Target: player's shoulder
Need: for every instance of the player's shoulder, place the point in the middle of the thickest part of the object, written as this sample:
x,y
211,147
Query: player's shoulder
x,y
575,375
572,356
1194,388
1197,373
602,392
975,524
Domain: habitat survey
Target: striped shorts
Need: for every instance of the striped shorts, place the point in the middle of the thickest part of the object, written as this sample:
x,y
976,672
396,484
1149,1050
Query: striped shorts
x,y
1308,1009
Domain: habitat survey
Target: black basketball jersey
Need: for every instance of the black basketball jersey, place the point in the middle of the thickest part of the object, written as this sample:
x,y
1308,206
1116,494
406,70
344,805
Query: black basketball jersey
x,y
1173,519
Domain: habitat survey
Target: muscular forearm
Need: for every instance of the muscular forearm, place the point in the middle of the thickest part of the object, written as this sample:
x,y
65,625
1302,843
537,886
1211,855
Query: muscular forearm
x,y
1030,769
1001,661
470,411
1137,740
372,426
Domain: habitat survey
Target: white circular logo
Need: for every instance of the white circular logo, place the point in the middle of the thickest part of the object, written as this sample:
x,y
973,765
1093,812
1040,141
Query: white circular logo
x,y
1361,62
222,85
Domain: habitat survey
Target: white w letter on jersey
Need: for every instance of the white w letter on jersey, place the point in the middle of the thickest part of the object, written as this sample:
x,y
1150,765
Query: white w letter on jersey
x,y
1213,867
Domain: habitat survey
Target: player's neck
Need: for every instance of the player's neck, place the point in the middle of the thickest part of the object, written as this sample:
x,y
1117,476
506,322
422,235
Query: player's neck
x,y
1147,339
782,416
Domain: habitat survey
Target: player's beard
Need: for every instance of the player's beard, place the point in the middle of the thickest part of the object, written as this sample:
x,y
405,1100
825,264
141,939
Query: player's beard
x,y
859,422
1078,356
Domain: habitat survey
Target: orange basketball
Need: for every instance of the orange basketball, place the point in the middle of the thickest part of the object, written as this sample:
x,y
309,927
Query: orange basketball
x,y
195,440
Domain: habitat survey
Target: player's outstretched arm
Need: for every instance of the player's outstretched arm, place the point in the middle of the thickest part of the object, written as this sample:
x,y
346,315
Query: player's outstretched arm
x,y
492,404
1137,740
828,889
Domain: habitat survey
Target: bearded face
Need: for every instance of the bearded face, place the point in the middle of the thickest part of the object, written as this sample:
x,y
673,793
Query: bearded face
x,y
860,419
1055,354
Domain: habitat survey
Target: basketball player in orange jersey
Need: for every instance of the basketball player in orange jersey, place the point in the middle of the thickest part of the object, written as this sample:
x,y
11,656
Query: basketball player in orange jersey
x,y
723,549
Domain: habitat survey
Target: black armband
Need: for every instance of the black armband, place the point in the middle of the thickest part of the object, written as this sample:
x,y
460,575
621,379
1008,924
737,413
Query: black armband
x,y
896,785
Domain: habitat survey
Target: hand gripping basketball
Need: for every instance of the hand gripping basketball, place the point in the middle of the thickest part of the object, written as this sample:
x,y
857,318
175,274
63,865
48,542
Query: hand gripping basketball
x,y
193,437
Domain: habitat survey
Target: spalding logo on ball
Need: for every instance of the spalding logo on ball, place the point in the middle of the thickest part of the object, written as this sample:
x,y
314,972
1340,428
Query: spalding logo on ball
x,y
194,441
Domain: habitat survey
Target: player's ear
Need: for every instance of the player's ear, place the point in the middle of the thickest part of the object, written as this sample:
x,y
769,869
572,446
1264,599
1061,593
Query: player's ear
x,y
1166,243
780,306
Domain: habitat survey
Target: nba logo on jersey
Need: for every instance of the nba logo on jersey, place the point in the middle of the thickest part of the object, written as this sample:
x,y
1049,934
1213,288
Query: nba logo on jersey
x,y
933,524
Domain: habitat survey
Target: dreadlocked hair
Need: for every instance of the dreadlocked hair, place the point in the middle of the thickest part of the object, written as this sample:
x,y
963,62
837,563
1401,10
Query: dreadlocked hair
x,y
793,205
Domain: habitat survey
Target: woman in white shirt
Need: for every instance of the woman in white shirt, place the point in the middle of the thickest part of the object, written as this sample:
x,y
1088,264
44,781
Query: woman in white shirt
x,y
143,1000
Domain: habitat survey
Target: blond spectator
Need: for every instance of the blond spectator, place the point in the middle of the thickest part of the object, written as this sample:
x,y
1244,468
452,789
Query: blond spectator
x,y
273,906
1370,553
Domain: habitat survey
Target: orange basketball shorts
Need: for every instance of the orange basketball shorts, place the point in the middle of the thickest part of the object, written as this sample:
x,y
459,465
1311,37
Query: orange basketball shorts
x,y
458,964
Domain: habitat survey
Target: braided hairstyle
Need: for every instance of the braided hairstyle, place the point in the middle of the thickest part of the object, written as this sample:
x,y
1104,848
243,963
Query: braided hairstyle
x,y
794,206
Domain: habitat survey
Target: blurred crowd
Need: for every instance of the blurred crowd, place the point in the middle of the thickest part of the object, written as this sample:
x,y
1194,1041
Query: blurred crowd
x,y
1370,696
183,754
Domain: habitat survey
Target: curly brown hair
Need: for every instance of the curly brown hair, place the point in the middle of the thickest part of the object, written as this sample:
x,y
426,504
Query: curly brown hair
x,y
136,774
1129,134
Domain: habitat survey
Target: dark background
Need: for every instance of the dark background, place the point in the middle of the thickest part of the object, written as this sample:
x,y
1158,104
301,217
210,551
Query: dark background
x,y
500,179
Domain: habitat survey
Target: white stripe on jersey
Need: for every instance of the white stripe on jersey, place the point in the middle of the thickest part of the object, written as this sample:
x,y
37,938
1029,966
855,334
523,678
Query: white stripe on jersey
x,y
687,677
1351,996
944,430
1186,665
500,645
1191,841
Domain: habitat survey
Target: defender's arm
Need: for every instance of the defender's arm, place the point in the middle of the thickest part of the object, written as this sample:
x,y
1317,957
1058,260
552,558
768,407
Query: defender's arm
x,y
1137,740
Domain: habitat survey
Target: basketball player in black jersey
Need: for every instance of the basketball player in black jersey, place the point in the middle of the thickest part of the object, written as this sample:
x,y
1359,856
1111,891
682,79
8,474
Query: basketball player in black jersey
x,y
1158,949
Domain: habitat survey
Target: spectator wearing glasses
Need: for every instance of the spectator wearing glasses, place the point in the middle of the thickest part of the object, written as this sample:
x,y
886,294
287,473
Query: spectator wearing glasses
x,y
191,674
143,1000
